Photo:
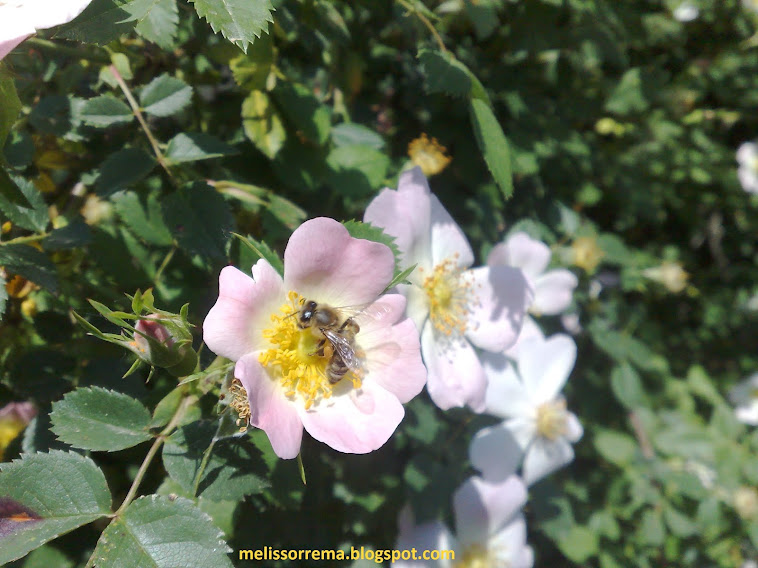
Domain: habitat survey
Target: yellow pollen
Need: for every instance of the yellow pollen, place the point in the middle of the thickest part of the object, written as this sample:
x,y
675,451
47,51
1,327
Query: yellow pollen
x,y
551,420
293,358
428,154
449,296
240,404
476,556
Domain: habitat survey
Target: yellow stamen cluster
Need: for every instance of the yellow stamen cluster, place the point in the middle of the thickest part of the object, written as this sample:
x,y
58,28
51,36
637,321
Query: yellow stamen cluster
x,y
476,556
240,404
294,358
587,254
429,155
450,297
551,420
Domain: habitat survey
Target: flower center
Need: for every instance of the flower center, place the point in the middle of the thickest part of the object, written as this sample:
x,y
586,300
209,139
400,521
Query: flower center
x,y
449,295
551,419
301,359
476,556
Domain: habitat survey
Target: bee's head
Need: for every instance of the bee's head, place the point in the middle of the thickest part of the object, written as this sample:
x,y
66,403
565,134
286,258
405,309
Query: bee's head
x,y
306,314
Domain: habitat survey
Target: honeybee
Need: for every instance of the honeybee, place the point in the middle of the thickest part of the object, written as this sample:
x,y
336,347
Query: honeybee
x,y
337,338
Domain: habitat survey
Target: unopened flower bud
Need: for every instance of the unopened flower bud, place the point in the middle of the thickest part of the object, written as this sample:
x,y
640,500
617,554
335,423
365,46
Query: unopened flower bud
x,y
165,342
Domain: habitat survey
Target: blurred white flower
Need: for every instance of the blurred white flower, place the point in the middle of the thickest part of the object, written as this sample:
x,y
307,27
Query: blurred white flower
x,y
751,5
21,18
670,274
572,323
537,424
747,158
686,12
744,396
489,529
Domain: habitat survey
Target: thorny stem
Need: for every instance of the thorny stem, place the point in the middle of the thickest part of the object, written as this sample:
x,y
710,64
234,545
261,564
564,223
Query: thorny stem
x,y
203,465
178,415
138,113
408,6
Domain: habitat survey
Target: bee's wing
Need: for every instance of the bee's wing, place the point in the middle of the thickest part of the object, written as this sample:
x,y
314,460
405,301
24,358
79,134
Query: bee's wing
x,y
375,311
343,347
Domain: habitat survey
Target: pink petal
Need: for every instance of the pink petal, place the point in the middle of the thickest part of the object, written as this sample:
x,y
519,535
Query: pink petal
x,y
324,263
233,326
521,251
495,453
8,45
356,422
502,297
553,292
456,377
482,508
448,240
270,410
405,215
545,366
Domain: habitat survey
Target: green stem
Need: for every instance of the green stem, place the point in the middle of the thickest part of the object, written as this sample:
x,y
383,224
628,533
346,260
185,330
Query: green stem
x,y
163,265
140,118
201,470
178,415
426,22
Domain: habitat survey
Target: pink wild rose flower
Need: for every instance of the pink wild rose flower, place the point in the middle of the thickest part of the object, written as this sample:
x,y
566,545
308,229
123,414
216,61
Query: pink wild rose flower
x,y
285,368
456,309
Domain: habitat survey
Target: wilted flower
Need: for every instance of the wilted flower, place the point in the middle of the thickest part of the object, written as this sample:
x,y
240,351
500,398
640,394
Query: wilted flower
x,y
536,419
283,366
747,172
489,529
456,309
586,254
13,419
745,397
429,155
670,274
21,18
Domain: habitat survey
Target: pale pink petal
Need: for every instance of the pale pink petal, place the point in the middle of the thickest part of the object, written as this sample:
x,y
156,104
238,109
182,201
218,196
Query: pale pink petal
x,y
482,508
448,240
524,429
510,543
396,364
429,536
405,215
233,326
8,45
357,421
495,453
574,430
418,304
521,251
269,408
529,330
506,396
545,456
324,263
497,313
553,292
545,366
456,377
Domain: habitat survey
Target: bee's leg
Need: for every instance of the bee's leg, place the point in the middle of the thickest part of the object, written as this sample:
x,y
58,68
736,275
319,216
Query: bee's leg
x,y
320,349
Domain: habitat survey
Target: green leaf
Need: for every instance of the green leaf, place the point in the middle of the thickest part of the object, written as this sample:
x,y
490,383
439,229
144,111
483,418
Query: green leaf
x,y
444,73
251,70
30,263
360,230
161,532
262,250
627,386
619,449
401,277
54,115
105,110
229,473
351,134
10,105
493,145
679,523
165,95
190,147
143,217
104,20
306,113
74,235
49,495
579,544
161,24
22,203
199,219
101,420
240,21
651,529
262,124
357,171
123,169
